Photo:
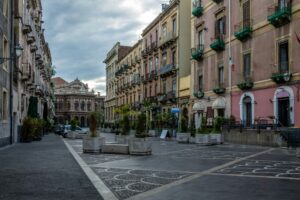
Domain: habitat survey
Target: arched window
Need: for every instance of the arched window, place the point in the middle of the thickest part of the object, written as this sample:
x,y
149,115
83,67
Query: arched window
x,y
76,105
82,106
89,106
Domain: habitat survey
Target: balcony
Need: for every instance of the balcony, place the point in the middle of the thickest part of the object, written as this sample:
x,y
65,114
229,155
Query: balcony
x,y
199,94
137,59
33,48
167,70
171,96
246,84
280,15
220,89
280,78
218,44
197,53
197,8
243,30
154,46
161,97
167,39
217,1
30,39
26,28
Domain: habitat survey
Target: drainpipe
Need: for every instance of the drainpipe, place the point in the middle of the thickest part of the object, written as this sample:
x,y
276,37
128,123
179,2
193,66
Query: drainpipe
x,y
12,55
230,63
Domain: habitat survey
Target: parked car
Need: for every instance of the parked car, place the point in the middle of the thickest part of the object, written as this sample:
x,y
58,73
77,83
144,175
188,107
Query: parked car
x,y
66,130
79,131
59,129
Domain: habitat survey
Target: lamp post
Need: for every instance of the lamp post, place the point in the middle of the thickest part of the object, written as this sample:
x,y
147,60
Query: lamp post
x,y
17,53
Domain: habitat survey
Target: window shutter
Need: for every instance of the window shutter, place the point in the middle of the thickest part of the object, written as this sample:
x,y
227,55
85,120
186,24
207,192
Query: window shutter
x,y
217,29
224,25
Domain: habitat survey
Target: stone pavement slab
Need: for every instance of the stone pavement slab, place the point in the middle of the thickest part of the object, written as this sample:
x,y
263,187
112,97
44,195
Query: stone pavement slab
x,y
41,171
181,171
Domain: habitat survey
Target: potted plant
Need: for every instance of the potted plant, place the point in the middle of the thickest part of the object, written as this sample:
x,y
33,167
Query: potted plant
x,y
72,134
202,136
27,133
140,145
192,138
124,112
183,136
91,141
215,135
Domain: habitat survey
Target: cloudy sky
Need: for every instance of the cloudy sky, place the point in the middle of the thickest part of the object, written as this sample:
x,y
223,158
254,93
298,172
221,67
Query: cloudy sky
x,y
81,32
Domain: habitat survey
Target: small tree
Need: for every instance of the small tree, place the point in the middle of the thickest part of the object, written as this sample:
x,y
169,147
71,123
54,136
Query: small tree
x,y
218,121
125,125
93,125
184,126
73,124
141,125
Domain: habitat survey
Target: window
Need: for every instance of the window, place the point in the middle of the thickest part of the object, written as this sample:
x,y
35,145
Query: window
x,y
150,91
89,106
164,30
146,68
283,62
146,94
200,37
150,39
76,105
220,27
5,8
150,64
174,88
200,83
164,59
5,52
155,90
247,65
156,62
174,25
174,57
246,14
164,89
221,76
4,106
156,36
282,3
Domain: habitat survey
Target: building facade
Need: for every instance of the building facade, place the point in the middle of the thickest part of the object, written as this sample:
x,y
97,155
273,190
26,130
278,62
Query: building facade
x,y
5,71
25,78
245,63
113,56
74,100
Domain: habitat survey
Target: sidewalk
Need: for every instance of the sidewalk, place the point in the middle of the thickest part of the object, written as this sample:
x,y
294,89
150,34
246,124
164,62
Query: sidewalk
x,y
41,171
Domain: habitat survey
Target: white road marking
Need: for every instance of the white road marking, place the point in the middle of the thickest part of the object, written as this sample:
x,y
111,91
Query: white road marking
x,y
104,191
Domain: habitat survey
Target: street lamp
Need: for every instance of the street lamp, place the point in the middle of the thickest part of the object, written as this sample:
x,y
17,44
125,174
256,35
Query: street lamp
x,y
18,52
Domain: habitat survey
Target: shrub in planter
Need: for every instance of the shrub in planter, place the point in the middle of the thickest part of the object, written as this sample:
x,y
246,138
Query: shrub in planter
x,y
37,129
202,136
125,125
183,136
27,130
216,137
140,144
91,143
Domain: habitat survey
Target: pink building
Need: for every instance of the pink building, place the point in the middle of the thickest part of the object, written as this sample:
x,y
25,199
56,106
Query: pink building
x,y
249,51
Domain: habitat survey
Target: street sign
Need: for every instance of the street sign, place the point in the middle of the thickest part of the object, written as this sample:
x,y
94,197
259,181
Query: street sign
x,y
175,110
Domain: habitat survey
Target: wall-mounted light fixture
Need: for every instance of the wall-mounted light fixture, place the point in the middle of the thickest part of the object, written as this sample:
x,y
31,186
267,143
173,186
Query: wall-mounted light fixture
x,y
17,53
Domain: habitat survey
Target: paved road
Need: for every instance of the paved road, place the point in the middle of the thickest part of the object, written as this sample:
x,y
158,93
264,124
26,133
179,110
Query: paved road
x,y
41,171
185,171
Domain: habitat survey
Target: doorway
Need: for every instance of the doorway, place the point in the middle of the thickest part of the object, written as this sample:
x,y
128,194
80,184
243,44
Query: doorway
x,y
284,111
247,111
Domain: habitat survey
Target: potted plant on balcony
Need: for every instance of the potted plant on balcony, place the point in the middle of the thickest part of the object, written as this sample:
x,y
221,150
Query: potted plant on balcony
x,y
202,136
140,145
27,133
91,142
215,135
183,135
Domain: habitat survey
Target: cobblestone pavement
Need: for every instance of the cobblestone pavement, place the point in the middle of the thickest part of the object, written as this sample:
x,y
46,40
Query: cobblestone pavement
x,y
128,182
165,173
264,168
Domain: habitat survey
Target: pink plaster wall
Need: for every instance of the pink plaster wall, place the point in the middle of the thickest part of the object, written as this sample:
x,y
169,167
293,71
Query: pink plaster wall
x,y
264,103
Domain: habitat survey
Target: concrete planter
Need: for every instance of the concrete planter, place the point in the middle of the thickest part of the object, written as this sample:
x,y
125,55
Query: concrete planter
x,y
132,132
140,146
215,138
101,142
71,135
91,144
202,139
122,139
192,140
183,137
152,133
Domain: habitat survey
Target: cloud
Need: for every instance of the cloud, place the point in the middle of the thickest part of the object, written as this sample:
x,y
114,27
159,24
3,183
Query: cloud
x,y
81,32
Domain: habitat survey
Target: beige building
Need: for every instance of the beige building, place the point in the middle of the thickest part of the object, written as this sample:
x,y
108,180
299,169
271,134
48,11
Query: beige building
x,y
114,55
29,74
